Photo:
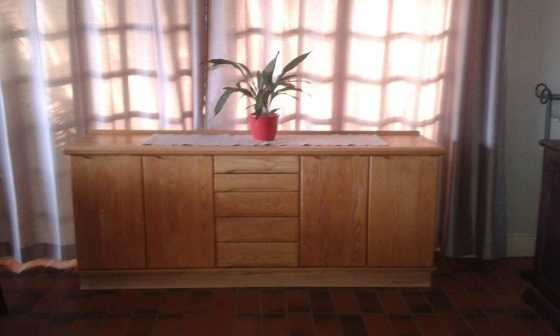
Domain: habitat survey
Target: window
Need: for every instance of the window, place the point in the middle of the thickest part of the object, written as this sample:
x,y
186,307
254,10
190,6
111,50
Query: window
x,y
375,64
128,64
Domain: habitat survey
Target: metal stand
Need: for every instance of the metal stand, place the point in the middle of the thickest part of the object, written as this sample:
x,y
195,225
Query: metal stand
x,y
546,97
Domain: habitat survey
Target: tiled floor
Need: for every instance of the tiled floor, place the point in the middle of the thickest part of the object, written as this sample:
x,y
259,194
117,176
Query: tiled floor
x,y
468,298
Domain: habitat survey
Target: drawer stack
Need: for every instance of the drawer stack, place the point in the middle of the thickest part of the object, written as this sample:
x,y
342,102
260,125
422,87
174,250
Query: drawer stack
x,y
257,211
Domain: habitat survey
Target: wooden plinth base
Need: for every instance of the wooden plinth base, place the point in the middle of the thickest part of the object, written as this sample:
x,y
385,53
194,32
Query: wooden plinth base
x,y
278,277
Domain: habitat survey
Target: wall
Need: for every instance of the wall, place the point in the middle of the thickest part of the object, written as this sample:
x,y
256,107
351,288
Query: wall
x,y
532,55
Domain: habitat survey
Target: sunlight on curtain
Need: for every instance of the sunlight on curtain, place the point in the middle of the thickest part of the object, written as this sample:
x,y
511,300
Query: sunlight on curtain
x,y
68,66
374,64
138,64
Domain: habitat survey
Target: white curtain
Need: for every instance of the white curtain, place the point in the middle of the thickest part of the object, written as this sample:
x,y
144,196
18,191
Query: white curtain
x,y
68,66
374,64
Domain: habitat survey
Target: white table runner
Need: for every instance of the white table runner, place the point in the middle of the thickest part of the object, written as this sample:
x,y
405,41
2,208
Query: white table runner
x,y
284,140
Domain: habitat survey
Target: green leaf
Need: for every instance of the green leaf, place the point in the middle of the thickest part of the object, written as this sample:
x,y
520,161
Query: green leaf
x,y
294,63
222,101
244,91
286,89
259,81
239,66
269,70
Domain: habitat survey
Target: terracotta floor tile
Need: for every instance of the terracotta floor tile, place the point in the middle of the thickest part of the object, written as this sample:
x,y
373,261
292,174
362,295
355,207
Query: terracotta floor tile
x,y
378,325
352,325
300,324
297,300
368,301
248,301
417,303
404,325
321,301
467,298
327,325
393,303
246,325
273,301
168,326
275,325
200,324
443,324
344,300
439,301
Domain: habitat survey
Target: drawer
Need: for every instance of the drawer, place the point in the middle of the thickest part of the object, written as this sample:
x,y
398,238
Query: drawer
x,y
256,164
257,254
257,204
256,182
261,229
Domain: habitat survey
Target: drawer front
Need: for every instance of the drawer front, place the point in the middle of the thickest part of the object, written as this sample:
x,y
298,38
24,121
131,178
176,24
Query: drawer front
x,y
260,229
257,204
256,182
257,254
256,164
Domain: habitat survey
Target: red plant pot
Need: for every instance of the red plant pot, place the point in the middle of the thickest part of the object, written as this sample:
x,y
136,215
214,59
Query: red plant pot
x,y
263,128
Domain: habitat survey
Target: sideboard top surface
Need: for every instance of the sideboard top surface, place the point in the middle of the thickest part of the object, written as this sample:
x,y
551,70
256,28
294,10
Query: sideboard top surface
x,y
131,143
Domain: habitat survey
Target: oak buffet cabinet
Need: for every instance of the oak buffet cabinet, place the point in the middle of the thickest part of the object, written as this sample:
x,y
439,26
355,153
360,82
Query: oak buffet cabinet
x,y
161,216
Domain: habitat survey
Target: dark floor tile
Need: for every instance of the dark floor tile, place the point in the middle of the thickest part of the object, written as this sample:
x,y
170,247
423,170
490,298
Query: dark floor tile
x,y
378,325
273,301
168,326
439,301
297,300
392,302
275,325
352,325
404,325
174,302
327,325
200,301
462,301
247,301
344,300
224,302
417,302
200,324
300,324
320,301
368,301
443,324
246,325
140,326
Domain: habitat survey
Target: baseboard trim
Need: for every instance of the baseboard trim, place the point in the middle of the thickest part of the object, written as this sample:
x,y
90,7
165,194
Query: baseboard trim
x,y
219,278
521,245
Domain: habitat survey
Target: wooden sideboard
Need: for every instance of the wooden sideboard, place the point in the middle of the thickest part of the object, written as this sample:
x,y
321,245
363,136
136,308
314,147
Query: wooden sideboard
x,y
162,216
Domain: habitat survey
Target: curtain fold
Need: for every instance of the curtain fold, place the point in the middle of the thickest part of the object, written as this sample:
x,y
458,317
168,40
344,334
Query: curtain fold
x,y
474,222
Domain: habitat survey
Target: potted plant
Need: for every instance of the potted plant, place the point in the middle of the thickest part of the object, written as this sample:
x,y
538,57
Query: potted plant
x,y
261,88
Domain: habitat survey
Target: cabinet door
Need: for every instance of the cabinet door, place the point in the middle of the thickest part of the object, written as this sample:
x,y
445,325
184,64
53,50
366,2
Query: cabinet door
x,y
108,212
179,211
402,211
334,210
